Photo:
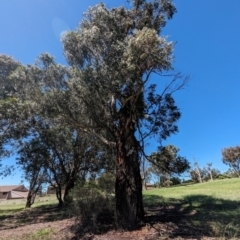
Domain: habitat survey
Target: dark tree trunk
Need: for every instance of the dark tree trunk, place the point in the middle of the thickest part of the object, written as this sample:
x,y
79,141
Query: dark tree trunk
x,y
69,186
128,188
59,196
30,199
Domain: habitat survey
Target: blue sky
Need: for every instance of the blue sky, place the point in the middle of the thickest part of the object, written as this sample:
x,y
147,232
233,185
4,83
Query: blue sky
x,y
207,36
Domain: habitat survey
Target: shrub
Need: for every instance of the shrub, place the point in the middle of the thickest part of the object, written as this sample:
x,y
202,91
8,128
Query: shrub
x,y
106,182
91,206
222,176
175,180
167,183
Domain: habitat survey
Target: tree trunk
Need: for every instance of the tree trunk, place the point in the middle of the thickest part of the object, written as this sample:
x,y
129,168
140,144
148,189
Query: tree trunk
x,y
59,196
210,173
69,186
128,188
198,174
30,199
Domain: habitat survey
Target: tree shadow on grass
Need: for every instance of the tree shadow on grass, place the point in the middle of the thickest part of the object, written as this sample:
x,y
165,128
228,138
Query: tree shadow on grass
x,y
193,216
39,214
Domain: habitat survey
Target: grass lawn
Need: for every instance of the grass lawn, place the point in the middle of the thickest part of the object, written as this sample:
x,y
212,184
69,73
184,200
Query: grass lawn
x,y
211,208
13,206
208,210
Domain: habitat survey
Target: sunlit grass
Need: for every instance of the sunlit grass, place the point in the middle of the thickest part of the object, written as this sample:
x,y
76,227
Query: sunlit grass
x,y
212,206
225,189
13,206
42,234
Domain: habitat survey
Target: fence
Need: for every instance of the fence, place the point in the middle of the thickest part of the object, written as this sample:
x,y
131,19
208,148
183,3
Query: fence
x,y
38,199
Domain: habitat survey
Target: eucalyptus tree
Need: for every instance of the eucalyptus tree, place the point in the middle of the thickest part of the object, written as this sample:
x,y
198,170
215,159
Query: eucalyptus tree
x,y
231,157
73,152
12,111
44,142
112,55
211,173
32,158
166,162
196,173
73,156
107,93
65,155
7,66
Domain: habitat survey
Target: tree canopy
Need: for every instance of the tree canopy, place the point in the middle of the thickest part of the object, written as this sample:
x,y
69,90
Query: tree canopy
x,y
102,106
167,161
231,157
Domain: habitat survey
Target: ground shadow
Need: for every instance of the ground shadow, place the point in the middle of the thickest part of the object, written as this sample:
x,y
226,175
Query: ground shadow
x,y
21,217
193,216
50,213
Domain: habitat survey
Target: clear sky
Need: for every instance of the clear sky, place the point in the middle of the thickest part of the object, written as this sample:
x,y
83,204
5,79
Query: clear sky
x,y
207,36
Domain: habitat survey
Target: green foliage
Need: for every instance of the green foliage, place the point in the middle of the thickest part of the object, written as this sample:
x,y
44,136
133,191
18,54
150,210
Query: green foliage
x,y
166,164
222,176
106,182
167,183
203,174
91,206
232,230
187,181
175,180
167,161
102,104
231,157
42,234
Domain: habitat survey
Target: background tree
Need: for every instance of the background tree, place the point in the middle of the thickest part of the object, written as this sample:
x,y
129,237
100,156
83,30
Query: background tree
x,y
175,180
166,162
206,173
32,158
230,173
146,172
10,89
210,172
231,157
66,155
208,169
196,173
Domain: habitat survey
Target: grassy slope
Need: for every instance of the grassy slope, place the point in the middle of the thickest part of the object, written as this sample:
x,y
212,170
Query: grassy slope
x,y
212,207
228,189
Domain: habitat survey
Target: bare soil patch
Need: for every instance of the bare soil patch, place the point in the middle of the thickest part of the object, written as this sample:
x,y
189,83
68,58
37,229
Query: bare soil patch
x,y
162,224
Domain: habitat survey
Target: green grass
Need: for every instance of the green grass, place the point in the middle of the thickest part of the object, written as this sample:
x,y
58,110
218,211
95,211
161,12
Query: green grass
x,y
42,234
226,189
14,206
211,207
20,202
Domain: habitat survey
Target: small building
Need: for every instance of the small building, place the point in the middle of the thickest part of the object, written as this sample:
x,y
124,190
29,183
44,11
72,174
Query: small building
x,y
52,189
13,192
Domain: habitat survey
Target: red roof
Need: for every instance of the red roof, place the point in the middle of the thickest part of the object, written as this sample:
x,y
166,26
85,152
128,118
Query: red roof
x,y
10,188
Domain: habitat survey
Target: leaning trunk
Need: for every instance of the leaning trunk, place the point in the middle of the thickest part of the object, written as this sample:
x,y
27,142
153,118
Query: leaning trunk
x,y
128,188
30,199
